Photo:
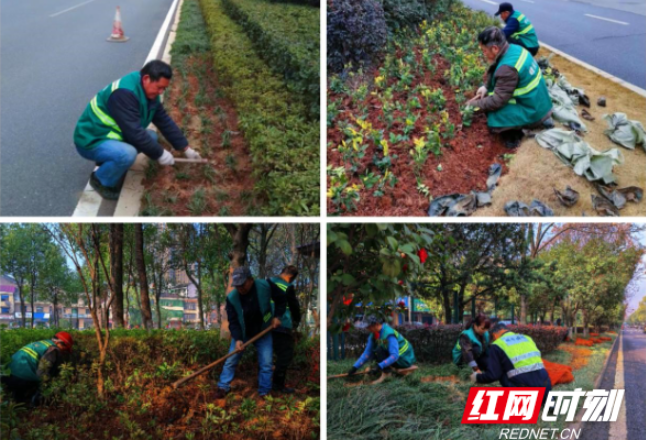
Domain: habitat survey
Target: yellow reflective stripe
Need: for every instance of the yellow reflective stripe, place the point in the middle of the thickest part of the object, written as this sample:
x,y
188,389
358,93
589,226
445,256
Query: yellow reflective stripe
x,y
115,136
529,87
521,60
47,343
283,288
267,316
490,93
404,348
524,31
30,352
520,17
107,120
115,85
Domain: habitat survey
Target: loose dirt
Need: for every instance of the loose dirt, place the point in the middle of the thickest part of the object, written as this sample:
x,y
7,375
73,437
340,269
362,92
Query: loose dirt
x,y
226,182
535,171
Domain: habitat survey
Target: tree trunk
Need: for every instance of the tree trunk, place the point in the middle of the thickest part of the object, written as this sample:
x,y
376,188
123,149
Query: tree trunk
x,y
31,285
446,301
23,309
523,308
585,323
143,281
116,272
157,307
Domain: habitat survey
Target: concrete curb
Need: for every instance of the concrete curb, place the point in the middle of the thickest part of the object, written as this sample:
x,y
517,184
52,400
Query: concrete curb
x,y
633,88
129,202
578,424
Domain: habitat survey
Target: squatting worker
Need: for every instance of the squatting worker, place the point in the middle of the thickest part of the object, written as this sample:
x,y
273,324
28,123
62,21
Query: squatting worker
x,y
283,336
112,129
515,361
472,347
518,29
385,345
250,311
35,363
515,95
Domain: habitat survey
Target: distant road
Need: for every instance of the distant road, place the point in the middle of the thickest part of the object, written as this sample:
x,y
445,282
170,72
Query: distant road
x,y
607,34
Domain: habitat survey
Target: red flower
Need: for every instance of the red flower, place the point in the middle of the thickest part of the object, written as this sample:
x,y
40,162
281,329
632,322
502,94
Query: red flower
x,y
347,301
423,255
405,268
401,304
400,282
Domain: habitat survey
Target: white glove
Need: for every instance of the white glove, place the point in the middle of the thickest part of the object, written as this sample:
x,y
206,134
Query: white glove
x,y
481,93
474,377
166,158
191,153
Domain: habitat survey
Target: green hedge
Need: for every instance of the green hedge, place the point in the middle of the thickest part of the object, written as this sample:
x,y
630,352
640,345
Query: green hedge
x,y
433,345
284,144
286,36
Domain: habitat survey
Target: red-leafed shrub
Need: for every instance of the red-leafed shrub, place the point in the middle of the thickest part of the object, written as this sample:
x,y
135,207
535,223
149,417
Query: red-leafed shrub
x,y
584,342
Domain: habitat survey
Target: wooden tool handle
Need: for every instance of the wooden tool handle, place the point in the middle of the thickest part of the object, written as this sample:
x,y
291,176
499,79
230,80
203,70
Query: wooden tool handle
x,y
360,373
186,160
213,364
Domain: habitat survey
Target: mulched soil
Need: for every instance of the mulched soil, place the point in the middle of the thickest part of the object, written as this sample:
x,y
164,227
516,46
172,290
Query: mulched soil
x,y
184,411
465,163
228,183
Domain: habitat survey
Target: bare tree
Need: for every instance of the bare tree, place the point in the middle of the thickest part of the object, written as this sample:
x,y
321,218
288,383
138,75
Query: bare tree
x,y
146,314
116,272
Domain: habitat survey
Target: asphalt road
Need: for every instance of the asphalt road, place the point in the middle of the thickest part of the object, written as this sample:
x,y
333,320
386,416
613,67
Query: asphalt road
x,y
618,46
53,60
634,354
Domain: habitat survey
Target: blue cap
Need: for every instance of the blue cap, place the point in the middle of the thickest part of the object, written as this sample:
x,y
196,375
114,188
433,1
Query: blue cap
x,y
240,275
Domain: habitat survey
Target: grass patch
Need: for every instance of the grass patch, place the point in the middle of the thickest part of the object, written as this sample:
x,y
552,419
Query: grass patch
x,y
409,408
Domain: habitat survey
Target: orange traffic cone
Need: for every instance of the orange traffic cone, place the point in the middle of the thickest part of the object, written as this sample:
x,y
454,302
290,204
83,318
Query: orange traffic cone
x,y
117,35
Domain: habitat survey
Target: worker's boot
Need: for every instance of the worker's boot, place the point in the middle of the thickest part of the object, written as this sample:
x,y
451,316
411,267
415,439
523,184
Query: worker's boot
x,y
283,390
512,138
221,393
107,192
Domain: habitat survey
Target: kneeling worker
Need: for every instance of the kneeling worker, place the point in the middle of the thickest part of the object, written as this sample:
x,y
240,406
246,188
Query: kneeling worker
x,y
35,363
387,346
112,129
472,347
518,29
250,311
515,361
515,95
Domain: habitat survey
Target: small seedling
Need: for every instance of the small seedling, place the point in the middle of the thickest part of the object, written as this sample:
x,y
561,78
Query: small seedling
x,y
226,139
197,204
231,161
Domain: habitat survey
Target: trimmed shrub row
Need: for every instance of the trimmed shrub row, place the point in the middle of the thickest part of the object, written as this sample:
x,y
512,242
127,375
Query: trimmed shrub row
x,y
433,345
284,144
286,36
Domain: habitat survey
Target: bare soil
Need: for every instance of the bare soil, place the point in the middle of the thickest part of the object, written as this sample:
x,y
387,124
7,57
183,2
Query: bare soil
x,y
226,181
535,171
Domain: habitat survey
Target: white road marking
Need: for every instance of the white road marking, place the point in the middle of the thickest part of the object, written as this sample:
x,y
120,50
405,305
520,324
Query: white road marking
x,y
490,2
607,19
619,429
527,1
70,9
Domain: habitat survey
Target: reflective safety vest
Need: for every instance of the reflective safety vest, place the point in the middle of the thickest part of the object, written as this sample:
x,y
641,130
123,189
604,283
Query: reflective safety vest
x,y
522,352
526,35
263,290
24,363
531,101
406,354
286,319
96,125
457,350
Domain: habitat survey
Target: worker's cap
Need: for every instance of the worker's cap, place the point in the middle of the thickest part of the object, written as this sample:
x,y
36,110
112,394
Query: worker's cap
x,y
373,319
66,339
240,275
504,7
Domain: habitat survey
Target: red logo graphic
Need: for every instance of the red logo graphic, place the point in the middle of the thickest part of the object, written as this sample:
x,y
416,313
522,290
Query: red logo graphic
x,y
503,405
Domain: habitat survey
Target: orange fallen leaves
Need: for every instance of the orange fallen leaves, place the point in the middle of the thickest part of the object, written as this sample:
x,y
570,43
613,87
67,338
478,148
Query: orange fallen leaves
x,y
579,356
558,373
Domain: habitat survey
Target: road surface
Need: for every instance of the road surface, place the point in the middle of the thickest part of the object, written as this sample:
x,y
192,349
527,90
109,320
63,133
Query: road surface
x,y
54,59
634,376
607,34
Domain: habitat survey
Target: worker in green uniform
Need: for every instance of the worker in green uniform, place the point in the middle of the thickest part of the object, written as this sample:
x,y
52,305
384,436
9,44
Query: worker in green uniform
x,y
514,361
283,336
113,128
473,344
515,95
385,345
518,29
35,363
